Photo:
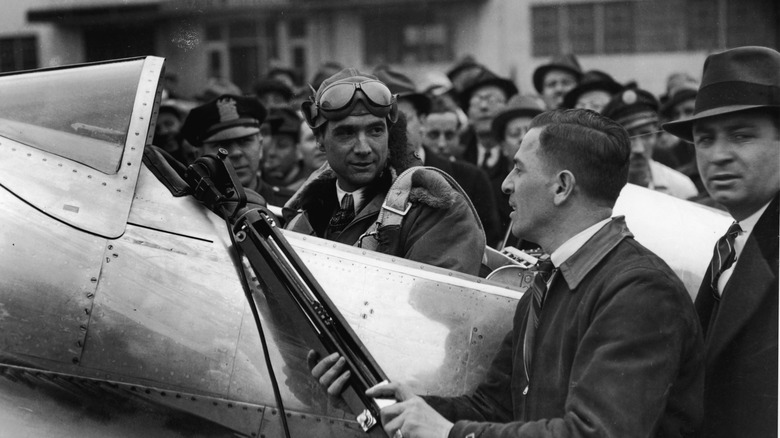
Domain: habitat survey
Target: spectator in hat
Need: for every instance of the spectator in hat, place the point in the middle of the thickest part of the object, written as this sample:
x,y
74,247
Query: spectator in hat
x,y
637,111
594,91
415,106
282,160
509,127
735,127
556,78
273,93
353,116
512,123
483,100
232,123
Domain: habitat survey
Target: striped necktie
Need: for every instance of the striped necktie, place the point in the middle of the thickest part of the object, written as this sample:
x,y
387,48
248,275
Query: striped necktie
x,y
538,292
723,256
343,216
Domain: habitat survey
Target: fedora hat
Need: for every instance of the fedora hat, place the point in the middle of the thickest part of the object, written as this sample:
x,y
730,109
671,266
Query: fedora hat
x,y
592,80
735,80
519,105
483,79
567,62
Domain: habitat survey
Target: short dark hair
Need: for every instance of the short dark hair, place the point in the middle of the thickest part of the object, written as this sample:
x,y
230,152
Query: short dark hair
x,y
594,148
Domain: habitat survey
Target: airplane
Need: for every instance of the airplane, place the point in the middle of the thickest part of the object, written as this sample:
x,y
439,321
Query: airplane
x,y
123,313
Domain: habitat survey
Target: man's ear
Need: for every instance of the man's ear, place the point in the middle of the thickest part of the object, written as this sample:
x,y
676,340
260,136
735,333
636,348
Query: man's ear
x,y
564,186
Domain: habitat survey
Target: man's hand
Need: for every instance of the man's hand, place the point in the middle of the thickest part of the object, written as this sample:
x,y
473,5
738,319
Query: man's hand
x,y
329,372
411,415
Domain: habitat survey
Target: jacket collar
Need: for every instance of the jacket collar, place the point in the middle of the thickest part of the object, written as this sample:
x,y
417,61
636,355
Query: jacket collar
x,y
577,267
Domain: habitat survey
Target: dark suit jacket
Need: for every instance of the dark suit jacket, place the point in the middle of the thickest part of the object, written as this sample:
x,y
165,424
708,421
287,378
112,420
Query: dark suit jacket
x,y
477,186
740,392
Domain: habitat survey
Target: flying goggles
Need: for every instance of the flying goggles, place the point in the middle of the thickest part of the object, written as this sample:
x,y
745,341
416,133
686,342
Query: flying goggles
x,y
338,100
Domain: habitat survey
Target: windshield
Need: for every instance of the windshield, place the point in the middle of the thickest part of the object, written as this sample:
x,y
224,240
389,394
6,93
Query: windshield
x,y
80,114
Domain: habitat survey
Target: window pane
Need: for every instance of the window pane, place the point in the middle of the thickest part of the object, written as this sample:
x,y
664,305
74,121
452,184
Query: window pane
x,y
29,53
99,100
619,27
702,18
661,27
751,23
297,28
544,21
243,29
396,39
581,28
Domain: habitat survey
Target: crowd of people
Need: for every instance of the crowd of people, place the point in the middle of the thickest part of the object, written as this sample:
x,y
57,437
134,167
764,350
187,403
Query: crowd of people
x,y
468,121
607,341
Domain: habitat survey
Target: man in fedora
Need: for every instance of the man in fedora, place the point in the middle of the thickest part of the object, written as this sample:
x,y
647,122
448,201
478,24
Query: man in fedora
x,y
556,78
736,130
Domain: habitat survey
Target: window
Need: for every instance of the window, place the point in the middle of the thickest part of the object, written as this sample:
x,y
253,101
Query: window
x,y
19,53
582,28
241,48
618,28
628,26
395,38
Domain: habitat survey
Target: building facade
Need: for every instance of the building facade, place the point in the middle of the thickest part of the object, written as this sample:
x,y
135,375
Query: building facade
x,y
240,40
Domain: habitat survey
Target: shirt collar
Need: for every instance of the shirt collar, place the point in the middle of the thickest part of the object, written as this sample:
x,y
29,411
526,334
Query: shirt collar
x,y
601,239
747,225
357,195
569,247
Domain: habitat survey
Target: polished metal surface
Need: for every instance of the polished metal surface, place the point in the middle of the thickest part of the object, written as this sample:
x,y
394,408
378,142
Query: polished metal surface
x,y
73,192
48,278
680,232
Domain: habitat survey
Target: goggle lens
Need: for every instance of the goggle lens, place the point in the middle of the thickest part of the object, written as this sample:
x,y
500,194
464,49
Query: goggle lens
x,y
340,95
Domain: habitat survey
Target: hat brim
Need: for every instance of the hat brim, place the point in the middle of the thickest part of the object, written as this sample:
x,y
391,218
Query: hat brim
x,y
232,133
610,87
540,72
508,87
498,126
684,128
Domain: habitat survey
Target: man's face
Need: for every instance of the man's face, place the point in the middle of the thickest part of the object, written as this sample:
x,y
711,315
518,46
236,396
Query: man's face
x,y
313,155
594,100
514,132
440,134
281,155
244,154
739,159
555,85
530,186
643,139
484,104
413,125
356,148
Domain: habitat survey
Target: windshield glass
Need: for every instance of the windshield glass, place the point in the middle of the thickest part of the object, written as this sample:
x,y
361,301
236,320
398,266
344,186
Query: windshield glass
x,y
80,114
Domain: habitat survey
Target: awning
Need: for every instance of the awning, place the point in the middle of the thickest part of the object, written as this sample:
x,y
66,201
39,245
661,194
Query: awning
x,y
85,15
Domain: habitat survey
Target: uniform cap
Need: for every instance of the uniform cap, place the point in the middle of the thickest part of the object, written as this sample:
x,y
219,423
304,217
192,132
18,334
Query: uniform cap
x,y
225,118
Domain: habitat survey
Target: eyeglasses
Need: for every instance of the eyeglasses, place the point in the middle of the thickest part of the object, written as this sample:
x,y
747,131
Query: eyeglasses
x,y
435,134
491,99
